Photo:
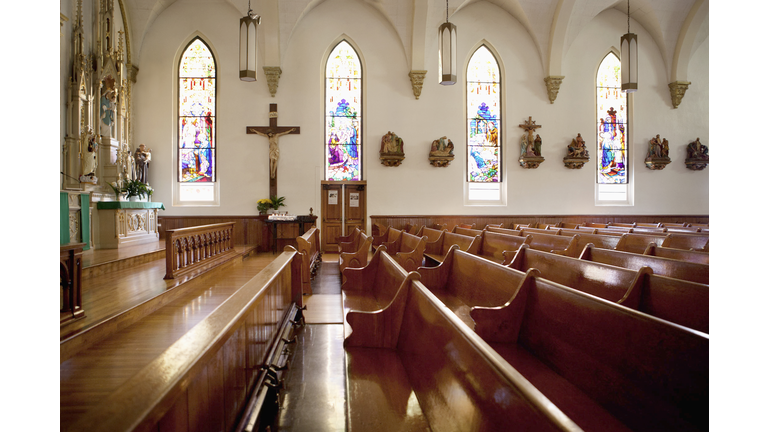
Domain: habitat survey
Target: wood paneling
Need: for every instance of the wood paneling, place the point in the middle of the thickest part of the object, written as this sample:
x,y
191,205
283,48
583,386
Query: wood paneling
x,y
249,230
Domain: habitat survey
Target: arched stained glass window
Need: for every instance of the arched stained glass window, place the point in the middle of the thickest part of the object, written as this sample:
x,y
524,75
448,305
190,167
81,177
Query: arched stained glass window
x,y
343,114
197,121
483,118
611,123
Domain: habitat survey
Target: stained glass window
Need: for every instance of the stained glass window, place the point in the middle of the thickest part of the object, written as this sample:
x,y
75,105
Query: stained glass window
x,y
197,114
483,118
611,123
343,114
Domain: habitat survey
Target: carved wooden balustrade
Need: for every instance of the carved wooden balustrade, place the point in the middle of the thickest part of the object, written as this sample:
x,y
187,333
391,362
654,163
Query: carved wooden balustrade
x,y
189,249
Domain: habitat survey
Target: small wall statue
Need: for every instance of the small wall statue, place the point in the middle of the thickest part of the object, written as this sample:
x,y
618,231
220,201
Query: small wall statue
x,y
658,153
391,153
441,152
530,152
90,152
577,155
698,156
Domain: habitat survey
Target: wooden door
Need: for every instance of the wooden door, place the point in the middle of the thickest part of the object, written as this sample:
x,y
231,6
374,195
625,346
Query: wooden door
x,y
354,206
331,226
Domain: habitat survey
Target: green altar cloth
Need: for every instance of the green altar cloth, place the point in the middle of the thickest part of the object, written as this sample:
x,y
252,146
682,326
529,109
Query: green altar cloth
x,y
112,205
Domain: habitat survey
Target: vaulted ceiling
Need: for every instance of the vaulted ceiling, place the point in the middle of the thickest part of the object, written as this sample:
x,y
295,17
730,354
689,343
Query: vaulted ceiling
x,y
677,27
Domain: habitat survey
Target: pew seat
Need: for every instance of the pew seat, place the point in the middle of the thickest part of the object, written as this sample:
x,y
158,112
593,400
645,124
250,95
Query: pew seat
x,y
308,245
693,272
414,366
565,245
354,254
408,251
607,367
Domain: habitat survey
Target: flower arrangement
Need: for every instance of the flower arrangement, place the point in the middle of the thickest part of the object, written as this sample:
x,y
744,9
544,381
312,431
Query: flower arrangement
x,y
277,202
137,188
263,205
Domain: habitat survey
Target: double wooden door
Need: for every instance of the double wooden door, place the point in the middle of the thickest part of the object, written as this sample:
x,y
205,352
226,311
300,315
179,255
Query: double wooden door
x,y
344,208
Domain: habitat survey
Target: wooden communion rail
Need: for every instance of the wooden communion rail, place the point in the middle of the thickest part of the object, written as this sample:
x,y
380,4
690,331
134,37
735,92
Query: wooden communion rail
x,y
189,249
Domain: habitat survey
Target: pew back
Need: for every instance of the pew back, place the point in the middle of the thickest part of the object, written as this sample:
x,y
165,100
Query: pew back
x,y
308,245
678,301
637,243
494,245
467,231
410,255
686,242
506,231
598,240
553,243
693,272
678,254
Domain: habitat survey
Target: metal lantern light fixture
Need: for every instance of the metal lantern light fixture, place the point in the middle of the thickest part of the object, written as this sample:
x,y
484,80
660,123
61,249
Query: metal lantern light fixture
x,y
629,60
248,26
446,54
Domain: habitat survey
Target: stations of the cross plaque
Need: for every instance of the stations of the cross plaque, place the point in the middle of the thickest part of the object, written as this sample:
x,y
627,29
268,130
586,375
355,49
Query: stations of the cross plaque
x,y
273,132
529,126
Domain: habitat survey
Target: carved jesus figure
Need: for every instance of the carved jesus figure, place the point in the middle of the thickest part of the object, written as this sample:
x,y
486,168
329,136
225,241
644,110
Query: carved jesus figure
x,y
274,150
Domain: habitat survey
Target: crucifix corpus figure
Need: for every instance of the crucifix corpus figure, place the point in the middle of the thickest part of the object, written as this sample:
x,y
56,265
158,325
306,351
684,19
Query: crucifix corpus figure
x,y
273,132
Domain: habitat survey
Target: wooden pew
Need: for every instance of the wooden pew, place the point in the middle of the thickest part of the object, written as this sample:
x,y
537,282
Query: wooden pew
x,y
413,229
647,230
499,247
571,225
684,230
500,225
373,286
678,301
308,245
598,240
689,271
506,231
390,235
463,281
615,284
436,251
431,234
574,231
565,245
637,243
686,242
526,231
623,225
605,366
467,231
349,238
678,254
649,225
606,231
414,366
473,225
409,251
354,254
595,225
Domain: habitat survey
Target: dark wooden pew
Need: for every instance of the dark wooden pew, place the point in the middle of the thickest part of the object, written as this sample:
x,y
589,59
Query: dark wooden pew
x,y
614,284
467,231
409,251
678,301
390,235
436,251
684,270
574,231
348,238
607,231
506,231
605,366
637,243
308,245
678,254
526,231
354,254
598,240
431,234
414,366
565,245
499,247
686,242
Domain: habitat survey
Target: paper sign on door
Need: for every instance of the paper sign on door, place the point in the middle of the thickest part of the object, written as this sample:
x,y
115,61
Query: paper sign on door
x,y
354,199
333,197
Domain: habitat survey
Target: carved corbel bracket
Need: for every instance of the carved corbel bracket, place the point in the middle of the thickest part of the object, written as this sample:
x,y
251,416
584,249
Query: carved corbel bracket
x,y
530,162
553,86
677,91
273,77
417,81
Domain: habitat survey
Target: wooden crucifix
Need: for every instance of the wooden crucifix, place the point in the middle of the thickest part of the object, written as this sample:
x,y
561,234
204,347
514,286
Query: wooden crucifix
x,y
273,132
530,126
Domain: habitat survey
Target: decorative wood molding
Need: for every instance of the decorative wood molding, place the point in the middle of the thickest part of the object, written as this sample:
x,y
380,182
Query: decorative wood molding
x,y
273,77
553,86
417,81
677,91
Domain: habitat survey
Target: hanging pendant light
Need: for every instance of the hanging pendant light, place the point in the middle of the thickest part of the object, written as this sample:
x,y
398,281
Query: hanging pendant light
x,y
629,59
446,54
248,26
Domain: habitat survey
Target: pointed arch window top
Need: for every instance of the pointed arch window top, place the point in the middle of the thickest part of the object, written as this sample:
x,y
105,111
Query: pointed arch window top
x,y
343,114
197,61
343,62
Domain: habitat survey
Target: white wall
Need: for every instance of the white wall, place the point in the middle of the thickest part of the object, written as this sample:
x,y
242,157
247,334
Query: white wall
x,y
415,187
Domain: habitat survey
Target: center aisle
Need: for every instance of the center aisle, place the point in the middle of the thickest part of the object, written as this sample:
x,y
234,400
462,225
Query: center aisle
x,y
314,397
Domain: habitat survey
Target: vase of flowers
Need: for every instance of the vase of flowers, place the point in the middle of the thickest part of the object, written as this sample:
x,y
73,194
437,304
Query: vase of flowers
x,y
263,205
136,190
277,202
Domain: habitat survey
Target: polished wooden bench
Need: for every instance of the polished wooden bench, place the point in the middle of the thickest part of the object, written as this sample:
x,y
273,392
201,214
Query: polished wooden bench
x,y
684,270
553,243
308,245
408,251
526,231
637,243
431,234
612,283
598,240
354,254
686,242
506,231
678,254
608,231
467,231
607,367
499,247
414,366
389,235
349,238
574,231
436,251
678,301
463,281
